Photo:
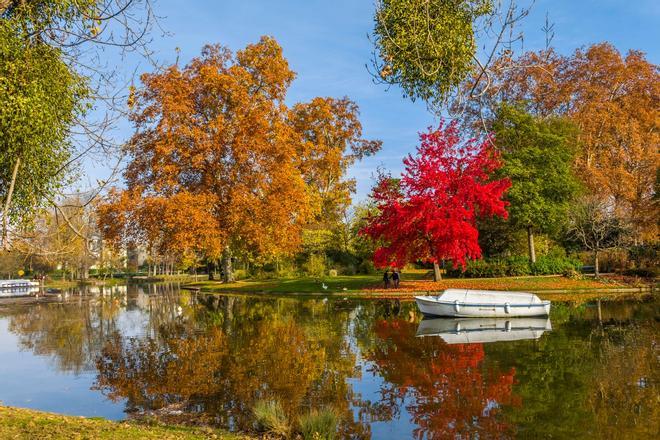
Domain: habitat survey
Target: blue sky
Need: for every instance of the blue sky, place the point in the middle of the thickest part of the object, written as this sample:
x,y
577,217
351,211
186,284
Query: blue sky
x,y
326,43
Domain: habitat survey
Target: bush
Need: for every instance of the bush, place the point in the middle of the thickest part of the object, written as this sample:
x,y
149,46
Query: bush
x,y
367,267
332,273
240,274
349,270
558,265
319,425
315,266
270,417
516,266
649,272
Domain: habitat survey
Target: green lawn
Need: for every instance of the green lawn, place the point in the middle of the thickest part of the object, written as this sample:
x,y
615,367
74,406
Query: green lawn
x,y
19,423
336,284
412,281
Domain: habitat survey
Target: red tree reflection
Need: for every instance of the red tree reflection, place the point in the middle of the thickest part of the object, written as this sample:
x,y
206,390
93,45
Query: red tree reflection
x,y
446,388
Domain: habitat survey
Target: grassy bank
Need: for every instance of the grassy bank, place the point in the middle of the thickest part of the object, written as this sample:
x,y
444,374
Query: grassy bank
x,y
19,423
412,282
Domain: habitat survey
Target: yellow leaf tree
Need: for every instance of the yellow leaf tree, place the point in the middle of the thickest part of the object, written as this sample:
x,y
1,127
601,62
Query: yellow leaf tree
x,y
219,164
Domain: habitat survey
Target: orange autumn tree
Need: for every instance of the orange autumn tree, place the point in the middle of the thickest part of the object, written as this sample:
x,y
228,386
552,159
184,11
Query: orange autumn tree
x,y
219,164
330,142
613,100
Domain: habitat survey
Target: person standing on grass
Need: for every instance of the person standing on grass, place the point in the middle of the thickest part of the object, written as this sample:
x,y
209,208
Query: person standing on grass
x,y
386,278
395,278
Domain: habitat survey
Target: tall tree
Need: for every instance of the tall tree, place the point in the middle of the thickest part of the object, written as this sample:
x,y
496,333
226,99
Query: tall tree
x,y
40,99
613,99
538,156
596,227
431,213
219,164
50,73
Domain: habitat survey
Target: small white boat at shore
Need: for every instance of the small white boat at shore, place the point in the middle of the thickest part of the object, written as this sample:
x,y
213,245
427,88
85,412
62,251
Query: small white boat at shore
x,y
17,284
468,303
484,330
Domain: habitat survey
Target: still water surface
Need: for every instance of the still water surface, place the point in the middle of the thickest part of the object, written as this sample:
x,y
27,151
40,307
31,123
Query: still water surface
x,y
126,351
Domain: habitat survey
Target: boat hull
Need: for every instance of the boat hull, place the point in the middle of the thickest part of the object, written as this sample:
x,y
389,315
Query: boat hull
x,y
433,306
17,284
484,330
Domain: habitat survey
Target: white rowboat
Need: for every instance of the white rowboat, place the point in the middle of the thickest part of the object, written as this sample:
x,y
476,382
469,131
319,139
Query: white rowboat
x,y
467,303
481,330
17,284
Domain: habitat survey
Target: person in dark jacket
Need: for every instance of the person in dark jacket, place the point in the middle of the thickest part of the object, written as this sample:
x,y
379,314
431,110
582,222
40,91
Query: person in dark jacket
x,y
386,278
395,278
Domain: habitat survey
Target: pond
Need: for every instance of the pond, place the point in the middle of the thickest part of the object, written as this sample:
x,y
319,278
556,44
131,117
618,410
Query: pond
x,y
591,371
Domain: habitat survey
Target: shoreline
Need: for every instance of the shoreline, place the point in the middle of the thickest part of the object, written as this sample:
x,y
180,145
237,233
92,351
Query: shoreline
x,y
18,422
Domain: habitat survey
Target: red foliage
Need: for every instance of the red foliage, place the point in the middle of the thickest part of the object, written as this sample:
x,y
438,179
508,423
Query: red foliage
x,y
450,391
431,213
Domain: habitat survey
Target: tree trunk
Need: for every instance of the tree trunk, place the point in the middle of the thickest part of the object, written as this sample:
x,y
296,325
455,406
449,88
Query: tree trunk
x,y
437,276
210,268
227,269
5,211
84,272
596,271
530,244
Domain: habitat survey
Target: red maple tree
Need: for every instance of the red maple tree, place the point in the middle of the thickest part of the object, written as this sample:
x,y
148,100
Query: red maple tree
x,y
430,213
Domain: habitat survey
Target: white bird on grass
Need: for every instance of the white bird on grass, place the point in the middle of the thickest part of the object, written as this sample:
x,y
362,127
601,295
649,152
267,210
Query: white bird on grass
x,y
324,286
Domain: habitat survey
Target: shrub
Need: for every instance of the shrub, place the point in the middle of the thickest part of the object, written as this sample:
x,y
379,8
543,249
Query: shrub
x,y
516,266
546,265
270,417
572,274
650,272
367,267
332,272
240,274
315,266
319,424
349,270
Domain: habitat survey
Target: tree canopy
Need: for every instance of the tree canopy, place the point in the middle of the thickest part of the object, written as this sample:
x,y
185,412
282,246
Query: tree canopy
x,y
220,162
538,156
41,98
431,213
612,99
427,46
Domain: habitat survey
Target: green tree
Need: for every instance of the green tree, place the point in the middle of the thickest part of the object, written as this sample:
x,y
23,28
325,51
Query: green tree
x,y
40,98
538,155
427,46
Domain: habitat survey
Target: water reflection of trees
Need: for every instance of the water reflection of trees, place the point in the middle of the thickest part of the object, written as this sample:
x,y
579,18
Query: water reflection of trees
x,y
234,354
213,357
446,389
596,376
72,330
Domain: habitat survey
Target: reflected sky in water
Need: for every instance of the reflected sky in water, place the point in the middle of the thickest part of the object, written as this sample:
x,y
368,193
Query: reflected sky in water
x,y
179,356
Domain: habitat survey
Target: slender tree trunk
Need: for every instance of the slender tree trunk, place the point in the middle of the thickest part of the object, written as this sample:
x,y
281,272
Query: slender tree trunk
x,y
84,272
227,269
437,276
5,211
596,271
530,244
210,268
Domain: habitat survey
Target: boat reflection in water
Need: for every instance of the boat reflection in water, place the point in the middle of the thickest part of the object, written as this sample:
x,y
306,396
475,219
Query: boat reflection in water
x,y
478,330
